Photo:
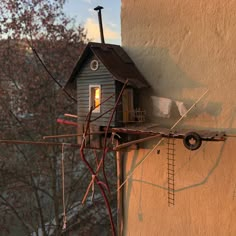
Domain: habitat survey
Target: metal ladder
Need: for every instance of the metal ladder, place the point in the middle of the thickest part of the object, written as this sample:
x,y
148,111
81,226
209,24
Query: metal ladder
x,y
171,170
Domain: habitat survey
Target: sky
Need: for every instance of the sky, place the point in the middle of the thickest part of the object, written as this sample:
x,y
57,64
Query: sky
x,y
83,12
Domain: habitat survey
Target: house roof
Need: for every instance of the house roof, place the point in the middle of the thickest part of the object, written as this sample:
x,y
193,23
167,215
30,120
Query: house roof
x,y
117,62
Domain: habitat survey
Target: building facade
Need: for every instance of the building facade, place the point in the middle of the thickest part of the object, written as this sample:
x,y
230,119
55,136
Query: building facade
x,y
183,49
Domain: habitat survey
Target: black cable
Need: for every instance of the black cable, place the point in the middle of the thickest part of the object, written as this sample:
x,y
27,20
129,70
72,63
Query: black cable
x,y
50,74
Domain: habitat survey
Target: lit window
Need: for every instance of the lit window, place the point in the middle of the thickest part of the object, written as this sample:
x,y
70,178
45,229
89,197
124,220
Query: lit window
x,y
95,97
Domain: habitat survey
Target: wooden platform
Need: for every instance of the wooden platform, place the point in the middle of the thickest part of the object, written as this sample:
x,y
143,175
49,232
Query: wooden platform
x,y
152,130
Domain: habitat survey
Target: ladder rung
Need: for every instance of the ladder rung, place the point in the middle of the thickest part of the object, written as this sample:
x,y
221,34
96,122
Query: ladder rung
x,y
170,164
171,174
171,199
171,178
171,169
171,187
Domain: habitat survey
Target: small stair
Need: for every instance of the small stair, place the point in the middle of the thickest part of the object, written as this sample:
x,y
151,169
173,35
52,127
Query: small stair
x,y
171,170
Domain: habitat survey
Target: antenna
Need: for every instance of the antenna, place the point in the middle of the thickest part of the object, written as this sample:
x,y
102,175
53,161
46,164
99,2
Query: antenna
x,y
98,9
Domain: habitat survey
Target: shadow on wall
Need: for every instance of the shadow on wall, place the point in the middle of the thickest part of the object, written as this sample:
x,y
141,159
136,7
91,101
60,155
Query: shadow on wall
x,y
212,109
167,80
165,77
205,173
167,113
129,184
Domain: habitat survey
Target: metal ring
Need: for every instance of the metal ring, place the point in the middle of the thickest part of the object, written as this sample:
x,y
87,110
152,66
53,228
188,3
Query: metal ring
x,y
94,64
192,141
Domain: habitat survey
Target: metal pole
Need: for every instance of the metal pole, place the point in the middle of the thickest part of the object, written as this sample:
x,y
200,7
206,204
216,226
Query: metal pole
x,y
99,8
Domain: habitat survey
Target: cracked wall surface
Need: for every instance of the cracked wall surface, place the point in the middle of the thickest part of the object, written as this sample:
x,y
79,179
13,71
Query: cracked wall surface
x,y
184,48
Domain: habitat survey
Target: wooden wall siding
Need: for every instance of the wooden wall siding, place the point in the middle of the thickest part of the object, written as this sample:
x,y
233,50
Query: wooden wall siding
x,y
88,77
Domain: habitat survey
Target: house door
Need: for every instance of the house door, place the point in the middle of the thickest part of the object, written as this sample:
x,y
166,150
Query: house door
x,y
128,105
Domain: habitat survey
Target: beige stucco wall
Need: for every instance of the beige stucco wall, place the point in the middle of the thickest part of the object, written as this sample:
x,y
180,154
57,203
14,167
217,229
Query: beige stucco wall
x,y
184,48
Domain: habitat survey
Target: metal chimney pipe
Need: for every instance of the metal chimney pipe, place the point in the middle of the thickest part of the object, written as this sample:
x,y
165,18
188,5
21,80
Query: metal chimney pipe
x,y
99,8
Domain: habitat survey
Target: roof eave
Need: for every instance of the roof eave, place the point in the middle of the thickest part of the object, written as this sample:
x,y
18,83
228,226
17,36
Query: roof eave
x,y
78,65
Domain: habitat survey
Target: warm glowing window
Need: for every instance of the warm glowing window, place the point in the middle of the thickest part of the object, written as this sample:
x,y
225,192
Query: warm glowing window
x,y
95,97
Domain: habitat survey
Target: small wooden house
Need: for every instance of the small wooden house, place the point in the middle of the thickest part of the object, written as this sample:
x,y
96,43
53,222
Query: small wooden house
x,y
98,78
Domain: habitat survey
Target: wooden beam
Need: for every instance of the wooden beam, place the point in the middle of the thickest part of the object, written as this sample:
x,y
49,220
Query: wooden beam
x,y
70,115
230,135
132,131
88,188
70,135
120,192
46,144
124,145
